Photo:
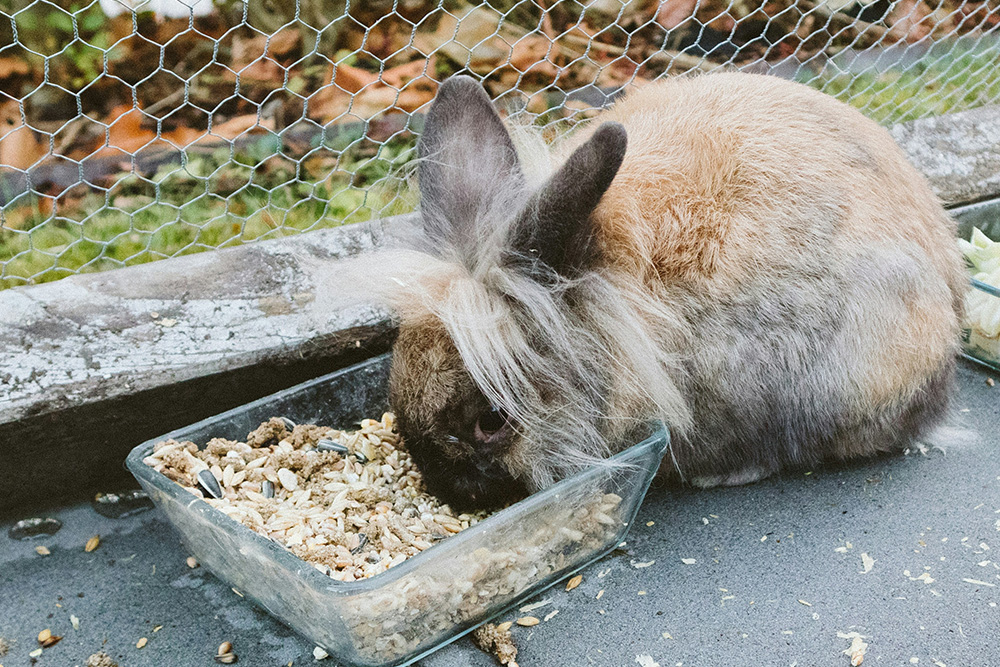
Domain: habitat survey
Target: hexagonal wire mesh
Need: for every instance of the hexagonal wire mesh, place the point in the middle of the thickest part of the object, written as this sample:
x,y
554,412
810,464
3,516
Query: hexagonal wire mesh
x,y
133,133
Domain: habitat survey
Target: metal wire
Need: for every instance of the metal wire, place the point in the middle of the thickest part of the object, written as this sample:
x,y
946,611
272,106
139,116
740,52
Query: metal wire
x,y
129,135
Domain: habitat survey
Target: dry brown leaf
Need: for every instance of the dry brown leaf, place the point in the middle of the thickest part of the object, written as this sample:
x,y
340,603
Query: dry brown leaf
x,y
126,132
352,79
246,50
401,75
19,147
13,67
906,20
284,42
674,12
263,69
328,103
534,53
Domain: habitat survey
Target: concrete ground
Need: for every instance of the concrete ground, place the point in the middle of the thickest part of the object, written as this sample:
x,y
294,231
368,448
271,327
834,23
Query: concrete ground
x,y
767,574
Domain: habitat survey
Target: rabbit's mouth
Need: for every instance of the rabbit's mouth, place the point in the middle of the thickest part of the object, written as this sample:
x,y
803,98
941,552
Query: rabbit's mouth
x,y
473,481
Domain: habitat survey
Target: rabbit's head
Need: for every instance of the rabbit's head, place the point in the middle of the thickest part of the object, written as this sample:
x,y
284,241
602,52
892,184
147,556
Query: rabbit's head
x,y
500,372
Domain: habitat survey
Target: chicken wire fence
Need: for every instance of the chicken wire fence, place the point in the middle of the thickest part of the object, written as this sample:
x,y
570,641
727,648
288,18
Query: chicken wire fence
x,y
134,132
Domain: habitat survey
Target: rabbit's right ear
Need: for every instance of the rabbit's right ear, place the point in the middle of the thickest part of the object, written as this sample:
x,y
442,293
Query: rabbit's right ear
x,y
467,162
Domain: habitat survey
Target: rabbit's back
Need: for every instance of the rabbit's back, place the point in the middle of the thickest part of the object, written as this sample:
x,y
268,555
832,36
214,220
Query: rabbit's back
x,y
816,269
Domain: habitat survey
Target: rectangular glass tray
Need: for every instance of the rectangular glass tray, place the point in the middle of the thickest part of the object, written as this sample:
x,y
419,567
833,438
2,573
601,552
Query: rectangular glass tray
x,y
977,347
440,594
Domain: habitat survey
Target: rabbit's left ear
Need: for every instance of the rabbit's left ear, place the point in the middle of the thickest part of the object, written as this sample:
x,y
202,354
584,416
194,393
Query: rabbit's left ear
x,y
555,232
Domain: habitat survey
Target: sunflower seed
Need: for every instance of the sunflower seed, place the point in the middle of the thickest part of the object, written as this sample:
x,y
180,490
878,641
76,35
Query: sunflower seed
x,y
267,489
362,541
325,445
208,482
289,424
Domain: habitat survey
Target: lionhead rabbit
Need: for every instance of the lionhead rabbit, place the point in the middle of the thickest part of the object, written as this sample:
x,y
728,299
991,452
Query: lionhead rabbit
x,y
749,260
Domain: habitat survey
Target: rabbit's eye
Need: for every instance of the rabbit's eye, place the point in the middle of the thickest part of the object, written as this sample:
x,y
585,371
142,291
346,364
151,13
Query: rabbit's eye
x,y
491,420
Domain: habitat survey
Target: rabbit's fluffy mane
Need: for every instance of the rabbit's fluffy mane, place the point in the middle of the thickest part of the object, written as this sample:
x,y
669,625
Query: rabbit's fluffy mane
x,y
578,363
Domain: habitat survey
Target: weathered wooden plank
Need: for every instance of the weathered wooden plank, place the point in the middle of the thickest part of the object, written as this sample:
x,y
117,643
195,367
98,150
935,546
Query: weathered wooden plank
x,y
93,364
959,153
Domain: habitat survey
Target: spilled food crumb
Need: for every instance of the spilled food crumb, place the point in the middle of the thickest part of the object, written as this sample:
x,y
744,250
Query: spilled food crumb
x,y
857,648
101,659
646,660
4,647
867,562
497,641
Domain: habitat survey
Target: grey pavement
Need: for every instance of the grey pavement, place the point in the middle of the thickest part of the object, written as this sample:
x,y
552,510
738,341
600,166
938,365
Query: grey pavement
x,y
774,575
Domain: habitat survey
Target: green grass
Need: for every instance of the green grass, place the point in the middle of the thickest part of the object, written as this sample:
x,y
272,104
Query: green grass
x,y
211,201
951,78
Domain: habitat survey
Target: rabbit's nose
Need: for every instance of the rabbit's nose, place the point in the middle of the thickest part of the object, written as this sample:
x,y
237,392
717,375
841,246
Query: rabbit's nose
x,y
492,428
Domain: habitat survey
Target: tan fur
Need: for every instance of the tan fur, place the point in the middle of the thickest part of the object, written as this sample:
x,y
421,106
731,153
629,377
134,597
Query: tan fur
x,y
701,172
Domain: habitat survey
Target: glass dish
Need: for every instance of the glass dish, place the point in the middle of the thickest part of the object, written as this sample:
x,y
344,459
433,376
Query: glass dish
x,y
396,617
978,346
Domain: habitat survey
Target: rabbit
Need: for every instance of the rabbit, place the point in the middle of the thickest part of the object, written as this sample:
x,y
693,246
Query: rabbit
x,y
746,259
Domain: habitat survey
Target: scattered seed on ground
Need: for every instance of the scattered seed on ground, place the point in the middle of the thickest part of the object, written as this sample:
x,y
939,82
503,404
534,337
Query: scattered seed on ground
x,y
192,562
574,582
496,640
42,551
37,652
533,606
528,621
319,653
44,635
92,543
4,647
600,594
75,622
550,615
157,628
101,659
142,642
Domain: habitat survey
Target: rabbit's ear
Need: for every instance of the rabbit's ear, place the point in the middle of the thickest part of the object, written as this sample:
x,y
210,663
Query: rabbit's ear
x,y
555,230
467,161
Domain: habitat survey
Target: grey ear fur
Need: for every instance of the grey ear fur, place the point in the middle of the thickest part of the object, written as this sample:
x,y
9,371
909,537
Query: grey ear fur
x,y
554,233
467,161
